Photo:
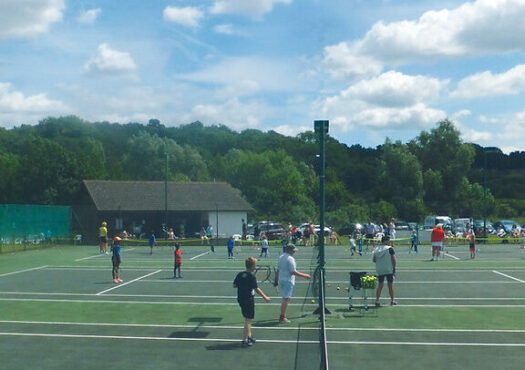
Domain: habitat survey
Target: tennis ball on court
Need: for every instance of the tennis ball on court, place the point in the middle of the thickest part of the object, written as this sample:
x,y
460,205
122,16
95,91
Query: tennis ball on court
x,y
338,288
313,300
347,289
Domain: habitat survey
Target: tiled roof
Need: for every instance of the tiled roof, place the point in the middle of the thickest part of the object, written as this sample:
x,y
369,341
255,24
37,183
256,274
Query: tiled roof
x,y
150,196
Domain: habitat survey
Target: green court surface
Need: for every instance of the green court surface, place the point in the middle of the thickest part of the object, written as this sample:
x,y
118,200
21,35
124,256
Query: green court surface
x,y
59,309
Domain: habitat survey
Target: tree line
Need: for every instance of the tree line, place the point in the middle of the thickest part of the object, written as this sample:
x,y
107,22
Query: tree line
x,y
434,173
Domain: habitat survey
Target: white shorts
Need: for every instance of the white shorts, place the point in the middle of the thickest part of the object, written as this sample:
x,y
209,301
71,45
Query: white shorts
x,y
286,289
437,245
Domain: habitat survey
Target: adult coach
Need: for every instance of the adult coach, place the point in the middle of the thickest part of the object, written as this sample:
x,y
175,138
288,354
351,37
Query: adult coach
x,y
103,237
436,238
285,278
384,257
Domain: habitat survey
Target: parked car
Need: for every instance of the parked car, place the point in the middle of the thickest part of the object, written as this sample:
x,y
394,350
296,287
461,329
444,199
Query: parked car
x,y
506,225
448,223
272,230
327,230
480,224
402,225
462,225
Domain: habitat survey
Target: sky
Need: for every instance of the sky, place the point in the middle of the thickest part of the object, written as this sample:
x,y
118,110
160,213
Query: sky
x,y
376,69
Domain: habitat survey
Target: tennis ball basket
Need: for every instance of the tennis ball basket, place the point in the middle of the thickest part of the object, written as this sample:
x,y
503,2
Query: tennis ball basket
x,y
360,282
368,282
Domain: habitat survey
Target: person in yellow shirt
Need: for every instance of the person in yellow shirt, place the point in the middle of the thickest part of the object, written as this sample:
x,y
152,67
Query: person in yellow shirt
x,y
103,237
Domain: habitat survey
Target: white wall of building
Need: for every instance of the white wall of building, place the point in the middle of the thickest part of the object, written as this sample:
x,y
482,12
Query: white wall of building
x,y
230,223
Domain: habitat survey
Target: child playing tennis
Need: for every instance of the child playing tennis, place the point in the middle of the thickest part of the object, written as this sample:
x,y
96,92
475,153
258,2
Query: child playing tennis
x,y
178,261
152,241
472,244
115,259
246,285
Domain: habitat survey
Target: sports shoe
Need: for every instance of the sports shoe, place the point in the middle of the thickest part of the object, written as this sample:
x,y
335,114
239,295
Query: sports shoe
x,y
119,280
378,304
251,339
115,281
284,320
393,303
246,343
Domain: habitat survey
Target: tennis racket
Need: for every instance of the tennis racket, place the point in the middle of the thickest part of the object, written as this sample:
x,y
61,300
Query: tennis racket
x,y
263,273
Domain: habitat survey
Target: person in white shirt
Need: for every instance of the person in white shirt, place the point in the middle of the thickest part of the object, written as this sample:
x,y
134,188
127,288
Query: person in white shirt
x,y
384,257
285,278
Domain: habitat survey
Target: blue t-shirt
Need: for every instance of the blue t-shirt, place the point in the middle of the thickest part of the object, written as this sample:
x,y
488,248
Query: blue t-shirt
x,y
231,243
152,240
116,250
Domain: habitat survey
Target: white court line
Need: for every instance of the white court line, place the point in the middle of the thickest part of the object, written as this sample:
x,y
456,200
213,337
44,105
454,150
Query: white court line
x,y
199,255
21,271
451,256
128,282
234,297
100,255
90,257
447,306
294,341
270,328
508,276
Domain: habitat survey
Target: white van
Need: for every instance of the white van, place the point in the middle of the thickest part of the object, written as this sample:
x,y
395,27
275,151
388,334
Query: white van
x,y
431,221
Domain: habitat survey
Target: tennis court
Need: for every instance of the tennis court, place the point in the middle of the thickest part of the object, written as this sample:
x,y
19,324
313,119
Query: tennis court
x,y
60,309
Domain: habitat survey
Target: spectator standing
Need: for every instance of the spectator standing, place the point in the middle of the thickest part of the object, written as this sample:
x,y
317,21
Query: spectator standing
x,y
384,257
392,228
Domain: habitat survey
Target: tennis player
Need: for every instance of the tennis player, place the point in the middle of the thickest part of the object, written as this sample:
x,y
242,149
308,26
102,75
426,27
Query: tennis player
x,y
178,261
246,285
103,237
115,259
285,278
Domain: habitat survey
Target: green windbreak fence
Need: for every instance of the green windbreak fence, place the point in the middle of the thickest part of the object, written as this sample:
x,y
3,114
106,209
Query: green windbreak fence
x,y
21,223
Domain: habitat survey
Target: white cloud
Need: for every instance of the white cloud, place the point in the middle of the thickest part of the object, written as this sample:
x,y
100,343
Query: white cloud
x,y
27,18
391,100
265,74
342,62
88,16
185,16
237,115
15,106
393,89
254,8
511,82
110,61
226,29
503,130
479,27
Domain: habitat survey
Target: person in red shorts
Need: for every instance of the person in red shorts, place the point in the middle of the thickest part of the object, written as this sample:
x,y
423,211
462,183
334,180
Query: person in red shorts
x,y
437,236
178,261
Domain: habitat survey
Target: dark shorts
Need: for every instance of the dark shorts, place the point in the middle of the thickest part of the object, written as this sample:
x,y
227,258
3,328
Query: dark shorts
x,y
116,261
103,239
370,236
247,308
389,278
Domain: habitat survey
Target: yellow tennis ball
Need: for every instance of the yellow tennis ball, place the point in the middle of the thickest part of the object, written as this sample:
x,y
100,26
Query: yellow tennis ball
x,y
313,300
338,288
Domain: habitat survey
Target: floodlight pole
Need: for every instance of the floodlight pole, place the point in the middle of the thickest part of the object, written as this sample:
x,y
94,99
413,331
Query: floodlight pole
x,y
166,199
321,128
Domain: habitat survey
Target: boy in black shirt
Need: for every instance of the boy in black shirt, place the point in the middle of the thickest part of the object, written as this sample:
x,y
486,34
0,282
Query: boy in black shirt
x,y
246,285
